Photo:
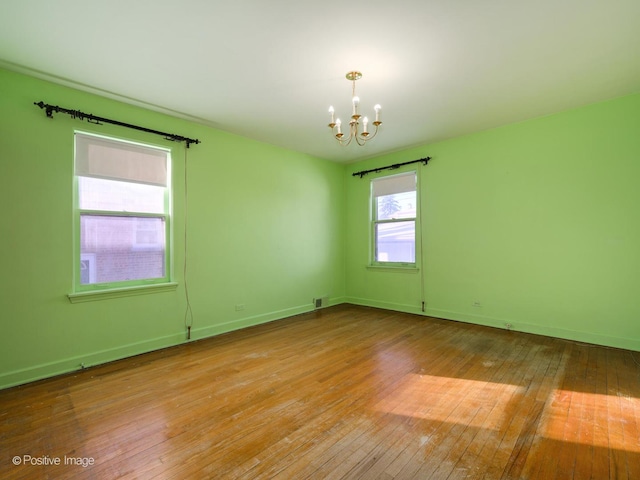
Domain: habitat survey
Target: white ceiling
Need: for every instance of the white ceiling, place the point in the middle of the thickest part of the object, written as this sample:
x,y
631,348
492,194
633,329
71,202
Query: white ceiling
x,y
270,69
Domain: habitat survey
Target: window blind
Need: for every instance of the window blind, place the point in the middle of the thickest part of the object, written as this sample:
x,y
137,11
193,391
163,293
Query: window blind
x,y
404,182
102,158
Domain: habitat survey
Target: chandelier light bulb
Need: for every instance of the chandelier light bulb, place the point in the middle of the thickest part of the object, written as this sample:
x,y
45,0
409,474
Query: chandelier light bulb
x,y
355,101
377,108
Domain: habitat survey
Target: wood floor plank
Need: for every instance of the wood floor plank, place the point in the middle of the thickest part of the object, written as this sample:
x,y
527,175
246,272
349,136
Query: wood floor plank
x,y
526,414
584,450
481,396
542,458
628,378
601,460
567,451
440,395
344,393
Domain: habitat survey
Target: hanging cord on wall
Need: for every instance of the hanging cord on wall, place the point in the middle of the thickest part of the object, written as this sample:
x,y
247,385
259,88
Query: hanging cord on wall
x,y
421,269
188,314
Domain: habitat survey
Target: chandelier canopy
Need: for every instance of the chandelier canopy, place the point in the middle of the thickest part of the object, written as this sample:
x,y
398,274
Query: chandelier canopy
x,y
360,136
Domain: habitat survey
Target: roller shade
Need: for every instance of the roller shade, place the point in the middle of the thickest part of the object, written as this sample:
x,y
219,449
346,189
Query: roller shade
x,y
103,158
404,182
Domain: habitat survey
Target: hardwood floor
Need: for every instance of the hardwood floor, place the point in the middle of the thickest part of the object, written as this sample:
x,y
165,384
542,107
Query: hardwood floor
x,y
350,392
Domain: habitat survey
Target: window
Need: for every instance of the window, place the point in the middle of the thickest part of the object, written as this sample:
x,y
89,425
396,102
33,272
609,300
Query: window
x,y
394,208
122,195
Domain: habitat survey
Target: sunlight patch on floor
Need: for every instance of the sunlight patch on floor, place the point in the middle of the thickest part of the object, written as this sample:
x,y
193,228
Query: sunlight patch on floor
x,y
614,426
453,400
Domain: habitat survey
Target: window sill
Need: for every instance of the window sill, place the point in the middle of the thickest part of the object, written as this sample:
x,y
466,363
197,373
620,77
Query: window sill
x,y
395,268
92,296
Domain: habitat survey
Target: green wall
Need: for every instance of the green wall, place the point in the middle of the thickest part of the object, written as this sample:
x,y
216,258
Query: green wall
x,y
265,230
538,222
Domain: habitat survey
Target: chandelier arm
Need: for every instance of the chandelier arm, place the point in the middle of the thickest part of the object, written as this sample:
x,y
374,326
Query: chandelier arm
x,y
375,131
341,139
365,138
345,143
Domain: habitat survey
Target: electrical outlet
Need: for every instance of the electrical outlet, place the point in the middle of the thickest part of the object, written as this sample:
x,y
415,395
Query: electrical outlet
x,y
239,307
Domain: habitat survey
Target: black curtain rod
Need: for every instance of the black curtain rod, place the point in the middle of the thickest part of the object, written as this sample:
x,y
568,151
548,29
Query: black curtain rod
x,y
391,167
99,120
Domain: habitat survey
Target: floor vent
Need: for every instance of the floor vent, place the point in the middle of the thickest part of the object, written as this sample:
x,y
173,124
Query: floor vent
x,y
321,302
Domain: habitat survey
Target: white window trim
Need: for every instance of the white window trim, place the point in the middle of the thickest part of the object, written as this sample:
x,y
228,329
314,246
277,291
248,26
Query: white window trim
x,y
397,266
93,295
91,292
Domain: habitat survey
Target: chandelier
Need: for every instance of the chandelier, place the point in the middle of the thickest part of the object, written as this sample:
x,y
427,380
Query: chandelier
x,y
354,123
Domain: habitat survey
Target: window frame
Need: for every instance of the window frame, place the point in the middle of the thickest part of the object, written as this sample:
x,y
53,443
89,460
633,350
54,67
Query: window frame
x,y
81,290
374,222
